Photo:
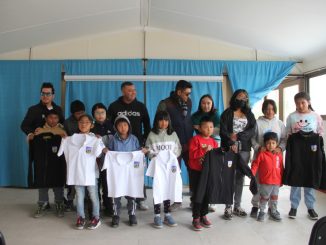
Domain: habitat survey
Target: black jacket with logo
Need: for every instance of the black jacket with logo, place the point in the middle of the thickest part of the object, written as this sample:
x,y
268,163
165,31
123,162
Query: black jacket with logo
x,y
305,161
46,169
137,114
35,117
217,176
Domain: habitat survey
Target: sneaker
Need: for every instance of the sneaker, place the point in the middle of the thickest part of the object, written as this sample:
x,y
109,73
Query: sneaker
x,y
275,215
254,212
142,206
261,217
312,214
94,223
80,224
196,225
41,210
228,213
292,213
59,208
168,220
239,212
158,222
174,207
69,206
212,207
115,221
132,220
205,222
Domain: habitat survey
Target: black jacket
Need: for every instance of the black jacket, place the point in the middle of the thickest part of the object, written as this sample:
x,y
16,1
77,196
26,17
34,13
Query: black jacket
x,y
217,176
35,117
305,161
226,129
137,114
182,125
45,168
105,128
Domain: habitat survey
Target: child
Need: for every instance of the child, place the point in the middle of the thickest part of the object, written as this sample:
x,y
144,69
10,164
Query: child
x,y
269,166
48,169
81,151
306,120
163,138
124,141
198,146
102,127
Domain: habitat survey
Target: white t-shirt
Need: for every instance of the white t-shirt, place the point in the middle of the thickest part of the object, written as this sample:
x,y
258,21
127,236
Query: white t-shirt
x,y
125,173
167,182
80,151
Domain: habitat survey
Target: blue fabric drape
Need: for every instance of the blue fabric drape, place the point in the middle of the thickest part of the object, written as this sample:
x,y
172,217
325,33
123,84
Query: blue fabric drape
x,y
156,91
91,92
257,77
20,88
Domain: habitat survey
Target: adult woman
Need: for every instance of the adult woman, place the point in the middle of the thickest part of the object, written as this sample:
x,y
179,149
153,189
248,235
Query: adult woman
x,y
237,127
267,123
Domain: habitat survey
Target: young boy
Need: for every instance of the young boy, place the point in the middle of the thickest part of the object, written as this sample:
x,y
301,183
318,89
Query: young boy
x,y
198,146
48,169
124,141
269,166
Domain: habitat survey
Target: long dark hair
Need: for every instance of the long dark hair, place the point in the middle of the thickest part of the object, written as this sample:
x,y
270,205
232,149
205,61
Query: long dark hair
x,y
162,115
305,96
212,111
233,98
269,102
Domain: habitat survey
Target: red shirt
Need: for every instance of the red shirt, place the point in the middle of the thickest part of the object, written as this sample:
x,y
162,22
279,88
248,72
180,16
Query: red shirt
x,y
269,167
197,149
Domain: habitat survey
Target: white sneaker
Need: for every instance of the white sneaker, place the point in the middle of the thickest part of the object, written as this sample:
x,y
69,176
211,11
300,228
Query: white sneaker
x,y
212,207
142,206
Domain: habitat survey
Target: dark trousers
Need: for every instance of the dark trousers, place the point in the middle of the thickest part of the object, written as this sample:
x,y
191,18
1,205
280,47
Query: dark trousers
x,y
166,205
198,209
107,201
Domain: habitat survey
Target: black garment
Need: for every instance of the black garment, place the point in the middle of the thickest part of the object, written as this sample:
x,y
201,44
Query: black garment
x,y
166,205
304,161
137,114
217,176
199,209
226,129
106,128
46,169
35,117
71,125
180,123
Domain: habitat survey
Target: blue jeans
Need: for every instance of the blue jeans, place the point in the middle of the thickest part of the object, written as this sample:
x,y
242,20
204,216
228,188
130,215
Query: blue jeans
x,y
309,197
93,195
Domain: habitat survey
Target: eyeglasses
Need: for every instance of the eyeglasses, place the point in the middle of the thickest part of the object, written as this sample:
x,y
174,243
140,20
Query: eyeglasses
x,y
100,113
46,94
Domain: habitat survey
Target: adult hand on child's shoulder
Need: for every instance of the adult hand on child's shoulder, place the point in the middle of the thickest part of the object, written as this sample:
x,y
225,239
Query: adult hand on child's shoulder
x,y
30,136
105,150
37,131
144,150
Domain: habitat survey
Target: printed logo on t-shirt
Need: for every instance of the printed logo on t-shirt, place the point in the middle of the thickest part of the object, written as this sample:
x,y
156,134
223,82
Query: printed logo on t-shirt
x,y
173,168
129,113
229,164
305,123
313,148
88,149
203,145
54,149
136,164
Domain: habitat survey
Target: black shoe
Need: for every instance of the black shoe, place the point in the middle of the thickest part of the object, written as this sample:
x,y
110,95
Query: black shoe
x,y
115,221
254,212
312,214
69,207
228,213
292,213
132,220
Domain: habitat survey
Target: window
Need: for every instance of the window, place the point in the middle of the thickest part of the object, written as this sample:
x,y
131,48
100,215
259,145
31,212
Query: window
x,y
317,88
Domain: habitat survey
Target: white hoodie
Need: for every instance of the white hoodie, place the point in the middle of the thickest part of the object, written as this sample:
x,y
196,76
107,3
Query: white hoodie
x,y
265,125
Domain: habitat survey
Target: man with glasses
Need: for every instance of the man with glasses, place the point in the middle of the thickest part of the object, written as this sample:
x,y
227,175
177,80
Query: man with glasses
x,y
35,116
179,105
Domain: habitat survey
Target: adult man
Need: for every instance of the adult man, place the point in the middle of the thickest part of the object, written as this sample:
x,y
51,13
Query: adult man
x,y
179,105
35,116
137,114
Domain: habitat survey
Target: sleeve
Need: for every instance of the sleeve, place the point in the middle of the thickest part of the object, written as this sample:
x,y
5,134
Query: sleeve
x,y
106,162
149,145
151,168
320,125
146,123
288,126
110,144
224,133
26,125
30,164
137,145
62,147
254,140
215,145
195,152
249,131
111,113
243,167
283,137
255,164
203,181
178,148
288,156
98,147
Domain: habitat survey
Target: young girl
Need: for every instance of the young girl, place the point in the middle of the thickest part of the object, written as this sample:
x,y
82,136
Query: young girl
x,y
162,138
81,151
198,146
306,120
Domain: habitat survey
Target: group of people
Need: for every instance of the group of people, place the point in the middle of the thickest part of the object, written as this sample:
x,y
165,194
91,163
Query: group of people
x,y
104,153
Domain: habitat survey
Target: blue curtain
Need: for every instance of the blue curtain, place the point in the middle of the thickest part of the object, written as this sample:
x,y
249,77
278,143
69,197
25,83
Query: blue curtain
x,y
156,91
20,88
91,92
257,77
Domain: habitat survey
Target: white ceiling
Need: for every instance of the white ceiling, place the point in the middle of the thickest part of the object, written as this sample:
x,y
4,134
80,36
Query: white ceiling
x,y
291,28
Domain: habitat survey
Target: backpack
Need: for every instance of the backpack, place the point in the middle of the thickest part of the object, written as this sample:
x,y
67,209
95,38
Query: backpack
x,y
318,232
